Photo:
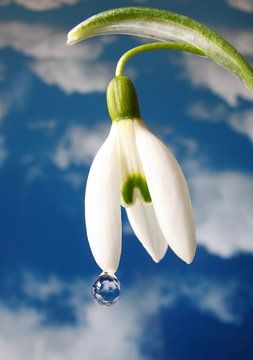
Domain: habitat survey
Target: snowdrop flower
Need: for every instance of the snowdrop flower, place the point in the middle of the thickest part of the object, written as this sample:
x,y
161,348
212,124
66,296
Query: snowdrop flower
x,y
135,170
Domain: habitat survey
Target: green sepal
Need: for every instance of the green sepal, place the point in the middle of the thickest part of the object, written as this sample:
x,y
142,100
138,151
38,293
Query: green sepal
x,y
135,181
121,99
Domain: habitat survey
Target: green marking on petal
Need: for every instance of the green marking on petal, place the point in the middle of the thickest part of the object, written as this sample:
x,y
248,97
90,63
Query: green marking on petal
x,y
135,181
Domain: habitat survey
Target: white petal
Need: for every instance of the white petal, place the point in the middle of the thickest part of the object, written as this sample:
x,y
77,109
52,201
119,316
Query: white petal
x,y
102,205
145,226
169,193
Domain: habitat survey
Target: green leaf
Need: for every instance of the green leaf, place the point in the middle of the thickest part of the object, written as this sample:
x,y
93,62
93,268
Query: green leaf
x,y
163,25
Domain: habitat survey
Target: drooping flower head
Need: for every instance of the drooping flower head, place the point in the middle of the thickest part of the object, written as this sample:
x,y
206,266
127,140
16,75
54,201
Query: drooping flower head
x,y
135,170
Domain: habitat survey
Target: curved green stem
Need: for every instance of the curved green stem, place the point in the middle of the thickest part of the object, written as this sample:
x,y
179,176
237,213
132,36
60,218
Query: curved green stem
x,y
155,46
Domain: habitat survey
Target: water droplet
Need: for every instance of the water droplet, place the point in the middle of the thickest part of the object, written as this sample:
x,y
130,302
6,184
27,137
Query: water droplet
x,y
106,289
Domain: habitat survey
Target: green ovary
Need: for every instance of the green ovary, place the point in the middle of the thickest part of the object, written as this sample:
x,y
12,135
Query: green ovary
x,y
135,182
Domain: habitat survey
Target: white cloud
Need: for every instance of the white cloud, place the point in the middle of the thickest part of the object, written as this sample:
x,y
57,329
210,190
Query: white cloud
x,y
83,78
34,172
209,75
75,179
203,111
242,39
4,99
206,74
239,121
99,333
223,206
190,145
40,5
106,333
243,5
78,146
2,72
42,124
222,200
44,42
242,122
213,298
40,290
23,336
72,69
27,159
3,151
5,2
205,294
4,107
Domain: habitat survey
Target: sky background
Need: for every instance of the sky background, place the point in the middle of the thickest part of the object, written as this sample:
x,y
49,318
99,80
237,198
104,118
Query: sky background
x,y
53,119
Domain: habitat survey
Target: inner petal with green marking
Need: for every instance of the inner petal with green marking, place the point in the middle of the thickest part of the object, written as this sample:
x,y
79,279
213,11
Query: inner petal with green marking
x,y
133,180
135,186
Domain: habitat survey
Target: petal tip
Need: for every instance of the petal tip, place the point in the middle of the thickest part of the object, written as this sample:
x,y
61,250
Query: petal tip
x,y
189,256
187,252
189,261
156,258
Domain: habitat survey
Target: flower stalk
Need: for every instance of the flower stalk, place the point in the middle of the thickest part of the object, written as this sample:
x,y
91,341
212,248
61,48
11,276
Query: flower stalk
x,y
152,47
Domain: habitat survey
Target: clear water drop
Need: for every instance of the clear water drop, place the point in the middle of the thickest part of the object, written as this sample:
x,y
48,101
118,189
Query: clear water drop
x,y
106,289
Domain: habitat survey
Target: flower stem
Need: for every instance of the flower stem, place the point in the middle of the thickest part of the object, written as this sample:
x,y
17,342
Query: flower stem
x,y
155,46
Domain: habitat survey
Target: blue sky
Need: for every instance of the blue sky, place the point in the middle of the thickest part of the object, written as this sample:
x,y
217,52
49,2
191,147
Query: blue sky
x,y
53,118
